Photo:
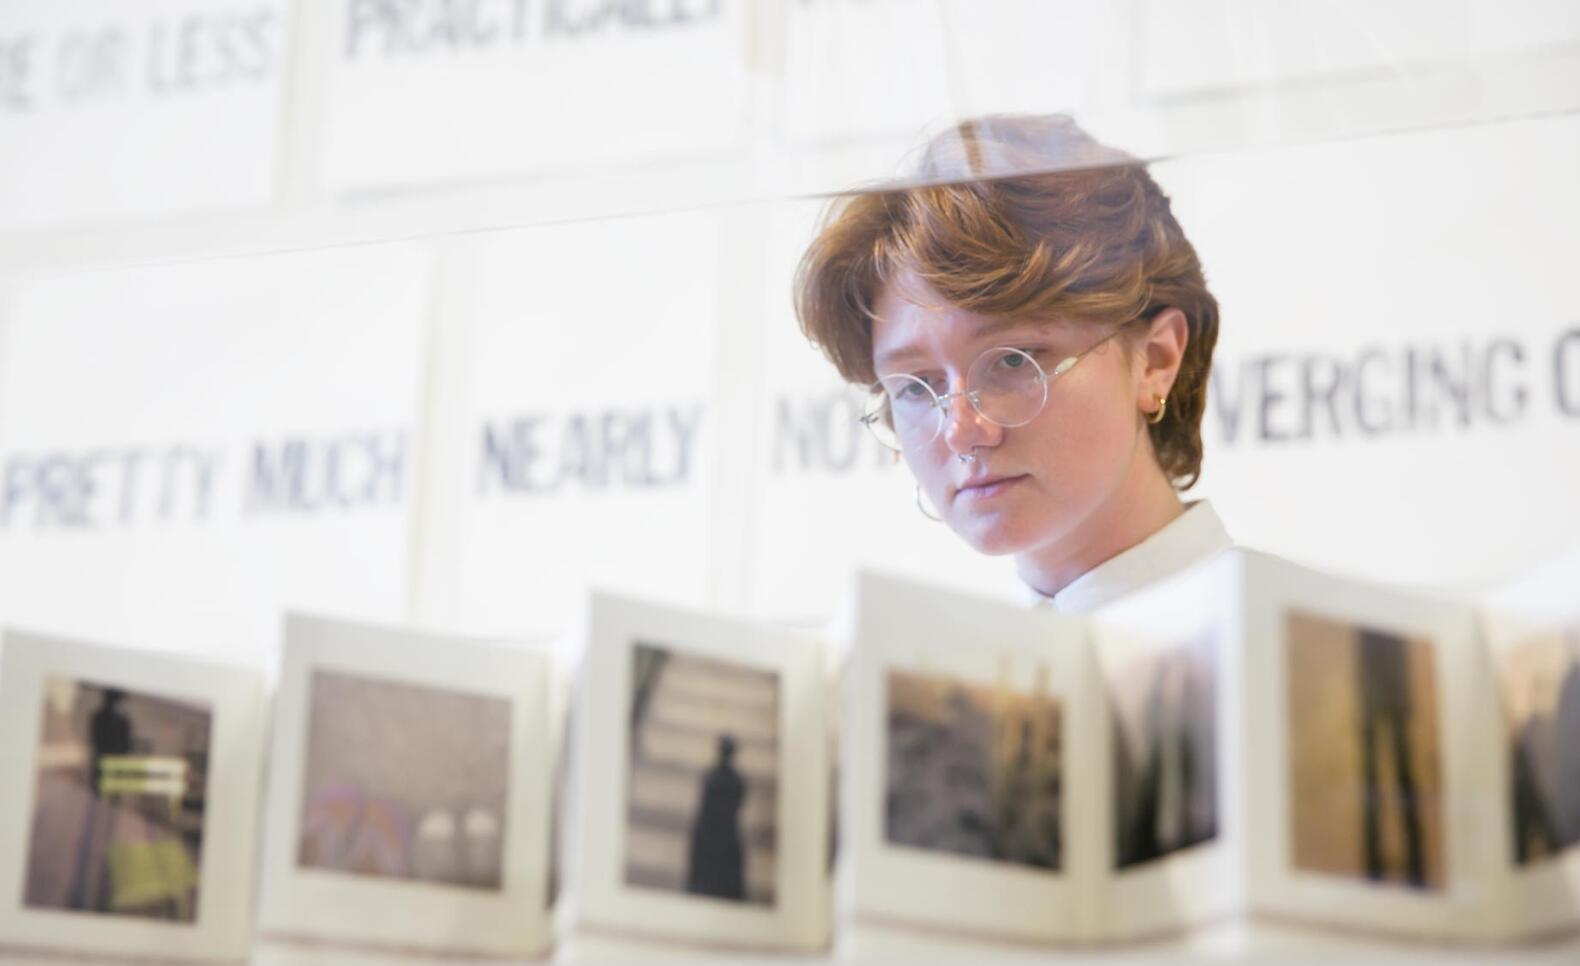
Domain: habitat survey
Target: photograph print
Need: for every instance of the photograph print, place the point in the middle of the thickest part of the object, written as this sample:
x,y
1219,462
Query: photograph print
x,y
1365,755
119,806
404,782
703,776
975,770
1541,698
1164,750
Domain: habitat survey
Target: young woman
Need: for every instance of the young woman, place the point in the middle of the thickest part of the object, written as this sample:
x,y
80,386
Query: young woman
x,y
1037,335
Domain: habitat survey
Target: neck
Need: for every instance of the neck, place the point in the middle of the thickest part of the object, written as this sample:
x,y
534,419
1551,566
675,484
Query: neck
x,y
1143,504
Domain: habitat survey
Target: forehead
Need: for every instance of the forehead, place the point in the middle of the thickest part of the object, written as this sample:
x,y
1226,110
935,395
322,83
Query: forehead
x,y
912,321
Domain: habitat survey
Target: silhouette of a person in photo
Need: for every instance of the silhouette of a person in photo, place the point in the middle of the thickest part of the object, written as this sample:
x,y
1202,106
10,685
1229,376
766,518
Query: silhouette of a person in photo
x,y
1545,760
1172,805
718,861
1565,813
1384,680
1536,834
111,733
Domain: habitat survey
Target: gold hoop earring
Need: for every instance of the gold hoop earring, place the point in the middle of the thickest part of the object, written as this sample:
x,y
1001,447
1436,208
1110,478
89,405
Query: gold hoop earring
x,y
1156,416
923,507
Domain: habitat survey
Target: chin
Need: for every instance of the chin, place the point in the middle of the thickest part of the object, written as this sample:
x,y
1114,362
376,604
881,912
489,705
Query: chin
x,y
995,538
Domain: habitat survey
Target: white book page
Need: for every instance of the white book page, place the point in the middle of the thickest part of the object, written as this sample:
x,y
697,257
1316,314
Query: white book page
x,y
967,738
1172,753
179,788
1364,806
702,780
409,791
1532,630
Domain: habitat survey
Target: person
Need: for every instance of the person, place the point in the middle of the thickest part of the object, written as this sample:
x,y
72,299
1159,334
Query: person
x,y
1566,796
1383,681
1536,833
718,857
111,733
1165,783
1035,333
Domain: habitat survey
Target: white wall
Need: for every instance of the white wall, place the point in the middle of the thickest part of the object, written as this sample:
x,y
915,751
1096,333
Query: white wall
x,y
596,232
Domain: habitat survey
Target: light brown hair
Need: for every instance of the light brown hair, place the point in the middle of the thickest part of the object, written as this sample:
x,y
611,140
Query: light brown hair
x,y
1023,218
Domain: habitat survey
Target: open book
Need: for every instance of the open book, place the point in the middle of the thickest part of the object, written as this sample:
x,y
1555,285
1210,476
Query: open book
x,y
1250,740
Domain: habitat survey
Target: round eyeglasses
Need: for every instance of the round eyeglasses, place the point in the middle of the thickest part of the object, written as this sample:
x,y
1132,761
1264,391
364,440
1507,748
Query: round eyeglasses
x,y
1006,386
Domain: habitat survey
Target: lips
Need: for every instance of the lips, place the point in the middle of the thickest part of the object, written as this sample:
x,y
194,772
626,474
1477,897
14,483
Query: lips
x,y
986,486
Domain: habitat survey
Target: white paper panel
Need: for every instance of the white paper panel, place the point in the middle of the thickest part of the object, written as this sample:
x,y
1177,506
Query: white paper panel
x,y
112,109
1397,387
186,451
865,80
864,69
585,442
433,91
1039,56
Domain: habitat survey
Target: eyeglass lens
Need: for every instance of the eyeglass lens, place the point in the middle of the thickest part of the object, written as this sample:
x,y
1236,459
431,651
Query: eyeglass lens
x,y
1006,386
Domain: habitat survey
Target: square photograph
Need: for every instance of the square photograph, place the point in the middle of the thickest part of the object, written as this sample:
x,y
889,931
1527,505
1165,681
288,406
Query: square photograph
x,y
120,803
703,776
975,770
1541,699
1365,753
404,782
1165,750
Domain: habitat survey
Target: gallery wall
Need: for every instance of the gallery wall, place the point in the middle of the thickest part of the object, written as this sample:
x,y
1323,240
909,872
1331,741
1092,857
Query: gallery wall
x,y
352,308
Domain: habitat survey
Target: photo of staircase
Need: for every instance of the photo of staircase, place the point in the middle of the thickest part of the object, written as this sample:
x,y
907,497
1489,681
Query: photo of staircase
x,y
701,814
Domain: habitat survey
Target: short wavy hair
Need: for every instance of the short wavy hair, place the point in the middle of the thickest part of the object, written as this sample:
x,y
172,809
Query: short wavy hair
x,y
1020,217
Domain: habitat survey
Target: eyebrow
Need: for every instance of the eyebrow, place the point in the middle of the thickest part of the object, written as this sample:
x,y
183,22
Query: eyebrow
x,y
1011,325
885,360
888,359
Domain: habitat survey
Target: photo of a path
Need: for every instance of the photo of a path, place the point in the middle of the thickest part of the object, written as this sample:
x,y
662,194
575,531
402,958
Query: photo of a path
x,y
119,807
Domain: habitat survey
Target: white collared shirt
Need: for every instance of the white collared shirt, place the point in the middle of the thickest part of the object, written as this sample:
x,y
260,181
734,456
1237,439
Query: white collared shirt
x,y
1190,538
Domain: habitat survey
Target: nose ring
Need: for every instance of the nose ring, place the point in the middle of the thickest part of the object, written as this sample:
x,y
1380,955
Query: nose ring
x,y
966,457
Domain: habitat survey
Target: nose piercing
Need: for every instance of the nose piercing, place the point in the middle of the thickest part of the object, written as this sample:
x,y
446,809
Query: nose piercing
x,y
966,457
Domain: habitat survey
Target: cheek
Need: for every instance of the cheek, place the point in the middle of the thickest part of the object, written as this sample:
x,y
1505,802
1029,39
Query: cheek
x,y
1085,443
930,468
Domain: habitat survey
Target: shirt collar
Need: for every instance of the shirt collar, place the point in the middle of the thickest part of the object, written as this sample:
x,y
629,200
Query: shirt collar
x,y
1189,538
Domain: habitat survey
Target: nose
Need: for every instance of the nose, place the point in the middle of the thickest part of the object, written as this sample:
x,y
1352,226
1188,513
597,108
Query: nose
x,y
964,428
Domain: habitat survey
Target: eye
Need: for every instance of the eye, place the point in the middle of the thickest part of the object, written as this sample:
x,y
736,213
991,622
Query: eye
x,y
1019,360
909,391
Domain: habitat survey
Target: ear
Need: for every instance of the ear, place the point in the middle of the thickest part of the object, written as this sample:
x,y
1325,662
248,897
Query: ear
x,y
1162,349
